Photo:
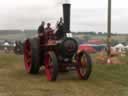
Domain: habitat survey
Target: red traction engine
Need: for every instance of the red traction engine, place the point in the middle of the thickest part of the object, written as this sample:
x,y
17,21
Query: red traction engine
x,y
57,55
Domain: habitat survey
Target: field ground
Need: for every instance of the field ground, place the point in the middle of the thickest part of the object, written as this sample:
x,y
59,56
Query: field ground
x,y
105,80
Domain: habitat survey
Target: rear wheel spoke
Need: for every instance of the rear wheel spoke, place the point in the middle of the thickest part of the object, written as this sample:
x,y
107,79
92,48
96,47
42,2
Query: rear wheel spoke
x,y
83,68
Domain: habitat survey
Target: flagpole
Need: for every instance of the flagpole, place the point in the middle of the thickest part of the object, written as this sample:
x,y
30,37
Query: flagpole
x,y
109,29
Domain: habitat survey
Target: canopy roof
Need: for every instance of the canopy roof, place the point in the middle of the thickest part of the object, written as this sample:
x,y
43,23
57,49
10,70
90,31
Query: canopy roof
x,y
119,46
87,48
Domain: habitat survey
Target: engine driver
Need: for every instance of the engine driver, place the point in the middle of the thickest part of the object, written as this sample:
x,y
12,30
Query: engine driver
x,y
60,29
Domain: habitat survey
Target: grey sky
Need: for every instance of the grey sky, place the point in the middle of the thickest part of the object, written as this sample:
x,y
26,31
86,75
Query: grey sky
x,y
86,15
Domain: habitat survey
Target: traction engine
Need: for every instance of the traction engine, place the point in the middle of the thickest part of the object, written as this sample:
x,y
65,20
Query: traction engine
x,y
57,55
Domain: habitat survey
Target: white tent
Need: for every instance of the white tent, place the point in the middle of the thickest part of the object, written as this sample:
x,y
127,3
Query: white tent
x,y
6,44
119,47
126,47
14,44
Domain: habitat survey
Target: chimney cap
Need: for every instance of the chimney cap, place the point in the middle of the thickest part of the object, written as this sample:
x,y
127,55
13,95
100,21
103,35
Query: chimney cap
x,y
66,1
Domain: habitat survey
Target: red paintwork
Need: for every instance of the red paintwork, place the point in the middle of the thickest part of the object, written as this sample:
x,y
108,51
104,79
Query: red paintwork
x,y
95,41
48,67
86,48
27,56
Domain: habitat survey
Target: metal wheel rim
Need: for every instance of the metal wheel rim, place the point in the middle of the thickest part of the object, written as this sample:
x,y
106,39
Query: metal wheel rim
x,y
82,65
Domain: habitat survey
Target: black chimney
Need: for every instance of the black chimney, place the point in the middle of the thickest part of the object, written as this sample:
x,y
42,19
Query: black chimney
x,y
66,16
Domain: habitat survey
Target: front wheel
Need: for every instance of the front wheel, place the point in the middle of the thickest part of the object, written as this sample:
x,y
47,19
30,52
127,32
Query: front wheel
x,y
51,66
31,56
84,65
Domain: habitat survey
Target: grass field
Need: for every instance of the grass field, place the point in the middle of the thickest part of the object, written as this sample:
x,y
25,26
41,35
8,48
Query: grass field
x,y
105,80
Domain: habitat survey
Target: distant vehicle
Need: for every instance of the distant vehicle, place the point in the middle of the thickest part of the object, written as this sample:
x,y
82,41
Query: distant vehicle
x,y
18,49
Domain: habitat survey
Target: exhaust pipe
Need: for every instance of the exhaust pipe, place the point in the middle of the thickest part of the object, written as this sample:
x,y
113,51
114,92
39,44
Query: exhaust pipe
x,y
66,16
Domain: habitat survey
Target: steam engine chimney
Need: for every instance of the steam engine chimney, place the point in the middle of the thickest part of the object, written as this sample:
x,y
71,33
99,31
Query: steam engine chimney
x,y
66,16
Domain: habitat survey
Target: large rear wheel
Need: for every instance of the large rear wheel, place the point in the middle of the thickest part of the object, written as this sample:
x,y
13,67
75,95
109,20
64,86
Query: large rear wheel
x,y
31,56
51,66
84,65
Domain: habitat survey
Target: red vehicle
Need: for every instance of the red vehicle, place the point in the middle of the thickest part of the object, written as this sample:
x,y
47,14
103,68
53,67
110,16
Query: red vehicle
x,y
57,55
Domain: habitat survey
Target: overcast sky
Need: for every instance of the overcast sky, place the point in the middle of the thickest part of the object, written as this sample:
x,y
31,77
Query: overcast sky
x,y
86,15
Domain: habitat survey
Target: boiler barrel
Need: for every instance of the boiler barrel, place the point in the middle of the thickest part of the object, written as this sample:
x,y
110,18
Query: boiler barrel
x,y
66,16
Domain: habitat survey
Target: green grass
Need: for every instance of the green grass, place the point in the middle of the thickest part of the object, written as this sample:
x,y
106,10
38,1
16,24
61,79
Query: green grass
x,y
105,80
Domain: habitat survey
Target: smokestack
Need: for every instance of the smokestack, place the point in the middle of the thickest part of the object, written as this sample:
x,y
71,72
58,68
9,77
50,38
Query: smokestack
x,y
66,16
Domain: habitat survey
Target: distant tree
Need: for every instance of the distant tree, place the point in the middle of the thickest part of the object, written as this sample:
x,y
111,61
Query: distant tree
x,y
87,37
87,33
113,42
100,33
126,38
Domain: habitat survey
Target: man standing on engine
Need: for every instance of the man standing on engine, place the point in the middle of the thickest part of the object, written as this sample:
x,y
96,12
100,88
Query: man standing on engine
x,y
60,29
60,23
49,31
41,35
48,28
41,29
